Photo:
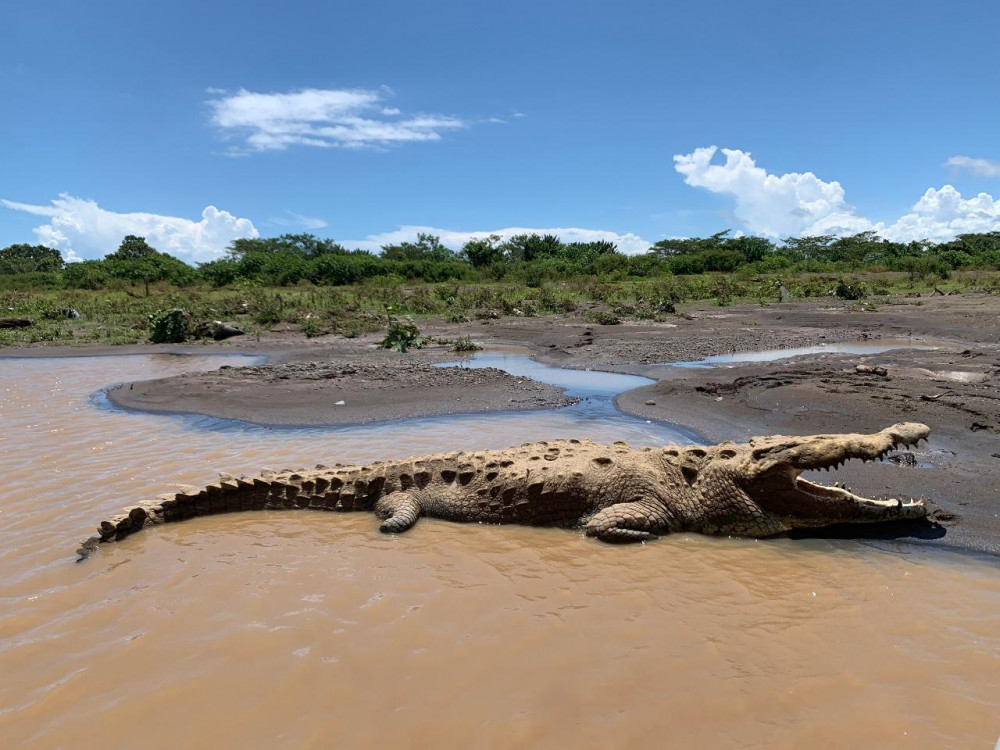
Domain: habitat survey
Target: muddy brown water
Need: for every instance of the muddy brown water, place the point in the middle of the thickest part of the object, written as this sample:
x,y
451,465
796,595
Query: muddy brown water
x,y
307,629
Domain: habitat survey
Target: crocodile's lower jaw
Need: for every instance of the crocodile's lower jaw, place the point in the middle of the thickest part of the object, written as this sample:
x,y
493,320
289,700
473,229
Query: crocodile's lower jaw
x,y
822,493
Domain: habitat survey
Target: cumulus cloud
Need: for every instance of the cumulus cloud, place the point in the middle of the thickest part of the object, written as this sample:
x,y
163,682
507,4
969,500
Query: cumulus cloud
x,y
801,204
766,203
977,166
629,243
322,118
942,214
82,229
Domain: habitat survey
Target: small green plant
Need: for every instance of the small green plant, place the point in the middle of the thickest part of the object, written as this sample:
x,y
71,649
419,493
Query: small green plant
x,y
466,344
844,290
604,318
169,326
403,334
311,328
265,309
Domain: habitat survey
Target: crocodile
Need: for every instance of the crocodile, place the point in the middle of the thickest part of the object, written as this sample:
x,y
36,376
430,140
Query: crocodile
x,y
613,492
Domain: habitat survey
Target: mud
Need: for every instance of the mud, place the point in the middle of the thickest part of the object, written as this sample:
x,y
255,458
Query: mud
x,y
339,392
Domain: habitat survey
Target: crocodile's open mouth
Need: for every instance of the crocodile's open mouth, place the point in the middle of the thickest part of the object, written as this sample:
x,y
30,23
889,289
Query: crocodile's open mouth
x,y
783,491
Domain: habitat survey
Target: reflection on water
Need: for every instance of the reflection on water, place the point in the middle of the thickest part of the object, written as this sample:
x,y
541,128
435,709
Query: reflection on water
x,y
770,355
311,629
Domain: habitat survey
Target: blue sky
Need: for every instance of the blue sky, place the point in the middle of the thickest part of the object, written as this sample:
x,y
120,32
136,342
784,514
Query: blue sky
x,y
194,123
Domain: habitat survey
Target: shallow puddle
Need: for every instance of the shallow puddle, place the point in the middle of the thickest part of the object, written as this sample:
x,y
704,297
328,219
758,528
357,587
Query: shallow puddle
x,y
879,346
308,629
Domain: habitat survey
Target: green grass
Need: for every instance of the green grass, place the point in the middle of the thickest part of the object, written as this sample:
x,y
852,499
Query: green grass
x,y
122,316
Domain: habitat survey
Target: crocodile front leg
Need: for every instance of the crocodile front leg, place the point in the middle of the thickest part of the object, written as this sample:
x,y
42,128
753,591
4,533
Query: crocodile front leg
x,y
398,511
627,522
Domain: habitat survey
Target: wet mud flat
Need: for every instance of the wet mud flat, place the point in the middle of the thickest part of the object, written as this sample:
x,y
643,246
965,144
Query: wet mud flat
x,y
338,392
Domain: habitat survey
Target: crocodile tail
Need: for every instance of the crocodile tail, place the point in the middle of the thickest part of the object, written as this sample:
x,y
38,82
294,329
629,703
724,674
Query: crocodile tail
x,y
267,491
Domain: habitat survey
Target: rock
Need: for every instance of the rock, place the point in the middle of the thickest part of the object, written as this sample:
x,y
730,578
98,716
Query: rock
x,y
69,312
15,322
783,294
224,331
871,370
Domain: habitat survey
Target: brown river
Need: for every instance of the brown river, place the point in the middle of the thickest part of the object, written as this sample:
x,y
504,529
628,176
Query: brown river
x,y
298,629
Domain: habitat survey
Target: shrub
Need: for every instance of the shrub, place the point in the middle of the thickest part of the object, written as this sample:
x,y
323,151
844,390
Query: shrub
x,y
311,328
466,344
402,335
605,318
844,290
169,326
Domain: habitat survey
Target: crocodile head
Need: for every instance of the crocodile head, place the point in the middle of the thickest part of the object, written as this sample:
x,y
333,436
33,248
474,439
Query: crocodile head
x,y
769,471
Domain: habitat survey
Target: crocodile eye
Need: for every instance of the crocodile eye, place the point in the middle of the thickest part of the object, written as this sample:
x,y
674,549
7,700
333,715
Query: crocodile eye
x,y
727,454
696,452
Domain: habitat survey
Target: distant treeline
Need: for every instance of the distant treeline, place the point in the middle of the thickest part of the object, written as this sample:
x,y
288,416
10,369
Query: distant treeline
x,y
526,258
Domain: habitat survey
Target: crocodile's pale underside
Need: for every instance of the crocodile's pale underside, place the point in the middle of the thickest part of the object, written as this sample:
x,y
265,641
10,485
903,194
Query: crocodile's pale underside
x,y
613,492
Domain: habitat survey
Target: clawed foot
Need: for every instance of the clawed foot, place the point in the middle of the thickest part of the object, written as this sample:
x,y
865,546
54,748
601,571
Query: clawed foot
x,y
398,511
624,523
617,535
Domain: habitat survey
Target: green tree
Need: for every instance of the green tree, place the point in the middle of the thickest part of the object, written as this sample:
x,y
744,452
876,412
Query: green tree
x,y
302,245
137,262
87,274
753,249
588,252
483,251
524,248
24,258
813,247
427,247
668,248
133,248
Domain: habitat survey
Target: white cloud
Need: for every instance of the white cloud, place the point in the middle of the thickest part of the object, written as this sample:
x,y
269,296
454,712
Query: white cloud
x,y
801,204
322,118
82,229
942,214
765,203
977,166
629,243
